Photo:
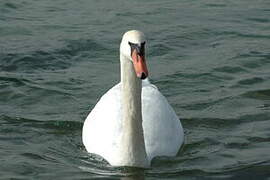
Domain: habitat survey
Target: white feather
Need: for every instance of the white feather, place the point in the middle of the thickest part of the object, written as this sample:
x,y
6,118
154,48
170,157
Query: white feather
x,y
133,122
162,129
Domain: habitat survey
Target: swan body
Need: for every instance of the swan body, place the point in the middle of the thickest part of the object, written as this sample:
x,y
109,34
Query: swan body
x,y
133,122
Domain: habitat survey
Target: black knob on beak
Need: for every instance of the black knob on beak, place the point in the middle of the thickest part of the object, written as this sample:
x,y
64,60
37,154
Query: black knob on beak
x,y
143,76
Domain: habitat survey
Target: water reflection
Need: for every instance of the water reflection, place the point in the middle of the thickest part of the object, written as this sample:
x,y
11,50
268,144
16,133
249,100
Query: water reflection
x,y
133,174
103,169
139,177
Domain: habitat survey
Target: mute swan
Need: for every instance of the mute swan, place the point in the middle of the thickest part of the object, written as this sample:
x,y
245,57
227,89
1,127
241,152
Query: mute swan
x,y
133,122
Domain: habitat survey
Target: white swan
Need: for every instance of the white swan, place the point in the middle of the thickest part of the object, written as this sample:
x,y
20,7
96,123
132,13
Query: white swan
x,y
132,122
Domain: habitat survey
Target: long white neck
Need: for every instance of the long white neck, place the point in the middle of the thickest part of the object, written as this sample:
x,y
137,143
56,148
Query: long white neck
x,y
132,148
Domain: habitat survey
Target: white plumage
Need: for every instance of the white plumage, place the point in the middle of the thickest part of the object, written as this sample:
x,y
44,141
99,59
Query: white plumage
x,y
103,128
162,129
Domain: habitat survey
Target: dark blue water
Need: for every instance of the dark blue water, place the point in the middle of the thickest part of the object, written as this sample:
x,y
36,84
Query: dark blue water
x,y
211,59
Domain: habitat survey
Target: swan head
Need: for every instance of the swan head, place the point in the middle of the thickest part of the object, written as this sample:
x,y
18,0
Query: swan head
x,y
133,48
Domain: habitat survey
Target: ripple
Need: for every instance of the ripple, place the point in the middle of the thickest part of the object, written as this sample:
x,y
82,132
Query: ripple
x,y
246,35
10,5
230,69
58,59
250,81
65,126
33,62
76,47
258,94
237,145
159,50
259,20
33,156
262,55
18,81
218,123
216,5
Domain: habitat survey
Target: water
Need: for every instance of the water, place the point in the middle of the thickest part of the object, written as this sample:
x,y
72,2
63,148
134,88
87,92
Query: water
x,y
211,59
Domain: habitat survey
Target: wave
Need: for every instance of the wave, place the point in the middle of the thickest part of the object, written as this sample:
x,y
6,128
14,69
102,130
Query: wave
x,y
74,51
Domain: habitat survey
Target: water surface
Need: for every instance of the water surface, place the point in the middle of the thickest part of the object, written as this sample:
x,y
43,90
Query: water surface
x,y
211,59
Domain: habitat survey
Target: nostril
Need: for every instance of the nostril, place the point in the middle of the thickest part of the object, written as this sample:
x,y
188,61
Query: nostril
x,y
143,76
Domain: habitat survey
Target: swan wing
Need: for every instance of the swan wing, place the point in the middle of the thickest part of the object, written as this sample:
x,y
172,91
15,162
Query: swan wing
x,y
163,131
102,127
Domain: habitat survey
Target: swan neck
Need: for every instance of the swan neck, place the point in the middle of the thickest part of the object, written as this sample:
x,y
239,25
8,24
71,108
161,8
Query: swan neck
x,y
133,150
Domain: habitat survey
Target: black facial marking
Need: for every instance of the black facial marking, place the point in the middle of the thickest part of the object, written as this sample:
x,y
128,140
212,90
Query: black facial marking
x,y
140,48
132,46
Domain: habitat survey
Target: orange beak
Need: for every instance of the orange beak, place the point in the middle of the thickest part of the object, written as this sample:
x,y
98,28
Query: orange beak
x,y
139,65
